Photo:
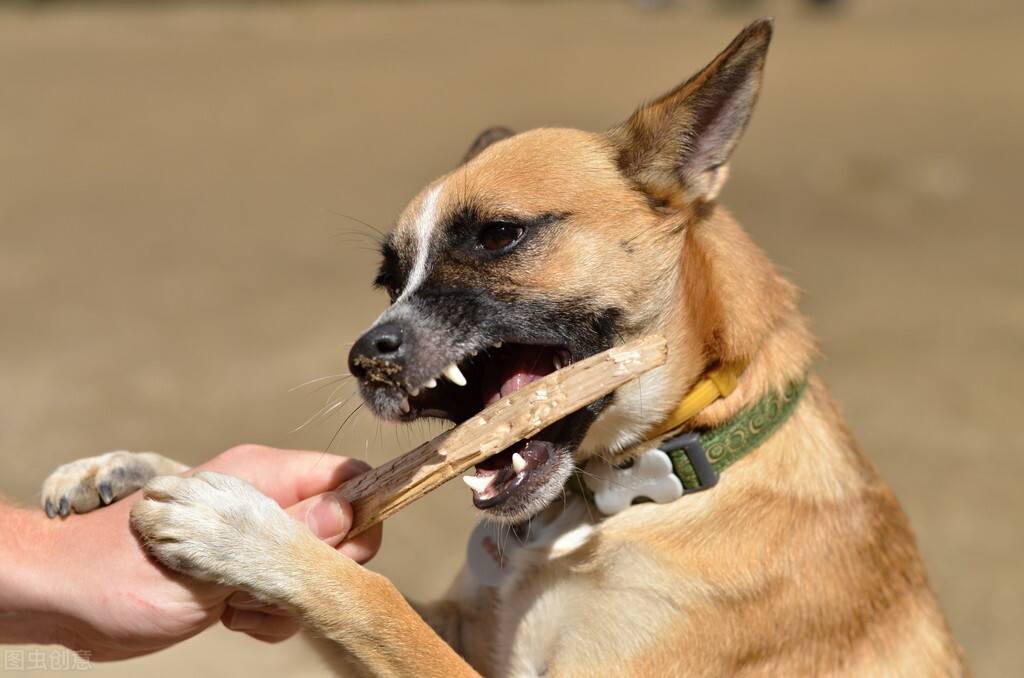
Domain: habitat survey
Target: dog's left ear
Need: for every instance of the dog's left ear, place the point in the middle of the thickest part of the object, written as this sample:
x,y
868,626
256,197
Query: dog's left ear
x,y
491,135
682,141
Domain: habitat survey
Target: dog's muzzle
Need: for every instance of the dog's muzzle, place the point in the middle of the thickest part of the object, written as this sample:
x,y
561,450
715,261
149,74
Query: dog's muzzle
x,y
379,355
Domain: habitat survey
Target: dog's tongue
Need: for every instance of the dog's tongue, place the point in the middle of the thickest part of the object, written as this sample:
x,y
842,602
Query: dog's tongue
x,y
515,371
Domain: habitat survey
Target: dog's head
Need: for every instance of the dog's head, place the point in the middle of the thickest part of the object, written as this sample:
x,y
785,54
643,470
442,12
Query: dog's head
x,y
544,248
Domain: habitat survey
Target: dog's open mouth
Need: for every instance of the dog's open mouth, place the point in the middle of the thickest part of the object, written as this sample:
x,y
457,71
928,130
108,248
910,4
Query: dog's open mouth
x,y
462,390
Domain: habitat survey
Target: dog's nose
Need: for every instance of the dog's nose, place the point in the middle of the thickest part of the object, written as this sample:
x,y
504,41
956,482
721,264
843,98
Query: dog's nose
x,y
386,340
380,344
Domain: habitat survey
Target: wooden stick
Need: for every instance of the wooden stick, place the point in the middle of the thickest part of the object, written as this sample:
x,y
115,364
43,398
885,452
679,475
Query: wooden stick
x,y
379,493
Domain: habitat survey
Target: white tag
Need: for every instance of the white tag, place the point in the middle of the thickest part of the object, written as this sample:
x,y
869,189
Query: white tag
x,y
649,477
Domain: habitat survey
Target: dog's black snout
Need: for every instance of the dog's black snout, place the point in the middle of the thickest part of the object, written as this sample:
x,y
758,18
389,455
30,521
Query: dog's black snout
x,y
379,350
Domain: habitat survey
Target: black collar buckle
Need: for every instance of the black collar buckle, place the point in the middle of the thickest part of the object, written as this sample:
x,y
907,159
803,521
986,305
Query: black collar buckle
x,y
689,444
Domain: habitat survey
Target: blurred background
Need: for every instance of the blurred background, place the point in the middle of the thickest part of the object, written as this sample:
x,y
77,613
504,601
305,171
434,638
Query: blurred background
x,y
182,186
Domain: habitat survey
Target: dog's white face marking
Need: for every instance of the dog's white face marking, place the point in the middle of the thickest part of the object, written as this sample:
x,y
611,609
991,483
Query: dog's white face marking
x,y
426,219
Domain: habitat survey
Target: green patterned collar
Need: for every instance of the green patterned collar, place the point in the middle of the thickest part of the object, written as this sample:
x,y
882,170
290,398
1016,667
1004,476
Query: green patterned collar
x,y
697,457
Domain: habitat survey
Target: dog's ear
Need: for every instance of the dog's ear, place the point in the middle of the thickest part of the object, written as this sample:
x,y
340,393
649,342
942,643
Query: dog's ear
x,y
681,141
491,135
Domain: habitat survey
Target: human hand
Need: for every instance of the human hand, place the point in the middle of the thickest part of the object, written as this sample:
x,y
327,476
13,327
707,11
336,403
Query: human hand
x,y
111,599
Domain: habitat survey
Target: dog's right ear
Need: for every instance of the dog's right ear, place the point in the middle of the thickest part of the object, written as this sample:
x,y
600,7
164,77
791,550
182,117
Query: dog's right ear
x,y
491,135
679,144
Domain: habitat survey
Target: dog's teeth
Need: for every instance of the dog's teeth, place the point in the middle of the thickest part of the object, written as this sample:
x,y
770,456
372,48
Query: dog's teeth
x,y
414,392
518,463
496,344
454,375
430,383
557,362
476,483
404,406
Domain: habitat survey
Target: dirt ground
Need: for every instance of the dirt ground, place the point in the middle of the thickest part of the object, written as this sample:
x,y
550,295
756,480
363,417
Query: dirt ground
x,y
174,255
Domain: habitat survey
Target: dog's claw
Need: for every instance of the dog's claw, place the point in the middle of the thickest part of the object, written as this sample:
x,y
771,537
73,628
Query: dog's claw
x,y
87,484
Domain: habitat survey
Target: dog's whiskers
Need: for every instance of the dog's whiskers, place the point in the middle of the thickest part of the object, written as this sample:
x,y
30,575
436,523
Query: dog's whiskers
x,y
332,383
337,405
379,232
347,419
333,393
340,375
613,482
324,411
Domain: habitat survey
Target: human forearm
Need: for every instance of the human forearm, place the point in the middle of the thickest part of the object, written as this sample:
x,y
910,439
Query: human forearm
x,y
26,611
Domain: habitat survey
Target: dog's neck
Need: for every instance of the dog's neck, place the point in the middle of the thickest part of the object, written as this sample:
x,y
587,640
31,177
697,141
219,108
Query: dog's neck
x,y
728,305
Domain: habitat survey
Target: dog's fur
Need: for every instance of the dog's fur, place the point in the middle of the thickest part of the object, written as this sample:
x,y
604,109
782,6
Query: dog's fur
x,y
800,562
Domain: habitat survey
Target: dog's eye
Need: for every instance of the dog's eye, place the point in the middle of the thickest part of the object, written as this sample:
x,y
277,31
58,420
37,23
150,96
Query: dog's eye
x,y
498,236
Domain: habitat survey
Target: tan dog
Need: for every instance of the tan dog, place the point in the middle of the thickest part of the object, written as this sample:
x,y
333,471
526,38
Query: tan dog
x,y
541,249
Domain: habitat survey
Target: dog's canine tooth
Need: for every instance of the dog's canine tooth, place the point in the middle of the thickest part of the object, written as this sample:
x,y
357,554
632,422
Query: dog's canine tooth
x,y
518,463
404,406
414,392
476,483
454,375
430,383
557,362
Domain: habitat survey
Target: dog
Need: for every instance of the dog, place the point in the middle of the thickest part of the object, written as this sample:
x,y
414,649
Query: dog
x,y
712,518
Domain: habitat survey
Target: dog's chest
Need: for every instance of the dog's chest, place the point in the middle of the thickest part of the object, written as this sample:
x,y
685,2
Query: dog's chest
x,y
497,557
513,584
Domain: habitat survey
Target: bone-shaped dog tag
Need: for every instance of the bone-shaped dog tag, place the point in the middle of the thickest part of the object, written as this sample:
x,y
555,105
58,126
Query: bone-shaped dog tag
x,y
649,477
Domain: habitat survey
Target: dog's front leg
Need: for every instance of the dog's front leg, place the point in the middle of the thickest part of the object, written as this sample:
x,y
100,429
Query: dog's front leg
x,y
219,528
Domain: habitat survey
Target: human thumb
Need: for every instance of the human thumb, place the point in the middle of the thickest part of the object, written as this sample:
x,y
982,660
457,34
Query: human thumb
x,y
327,515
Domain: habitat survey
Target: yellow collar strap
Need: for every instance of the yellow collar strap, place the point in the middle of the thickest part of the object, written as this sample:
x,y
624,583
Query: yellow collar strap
x,y
716,383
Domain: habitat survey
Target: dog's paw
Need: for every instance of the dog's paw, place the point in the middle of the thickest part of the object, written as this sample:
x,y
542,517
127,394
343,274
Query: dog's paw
x,y
218,528
87,484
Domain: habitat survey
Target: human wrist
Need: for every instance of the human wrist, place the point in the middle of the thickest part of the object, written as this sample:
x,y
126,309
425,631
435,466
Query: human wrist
x,y
29,587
